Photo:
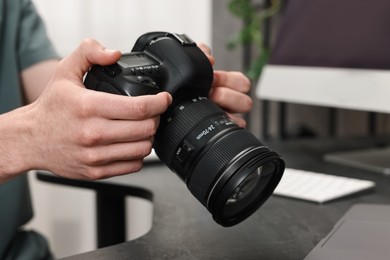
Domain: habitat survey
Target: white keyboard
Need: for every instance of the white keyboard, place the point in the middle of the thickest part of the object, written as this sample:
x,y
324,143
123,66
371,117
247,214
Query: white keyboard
x,y
318,187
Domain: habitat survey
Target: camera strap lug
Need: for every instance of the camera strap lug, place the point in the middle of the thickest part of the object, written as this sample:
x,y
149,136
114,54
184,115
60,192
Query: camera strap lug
x,y
183,39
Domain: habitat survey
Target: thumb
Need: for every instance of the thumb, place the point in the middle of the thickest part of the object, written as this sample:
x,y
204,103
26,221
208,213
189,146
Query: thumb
x,y
88,53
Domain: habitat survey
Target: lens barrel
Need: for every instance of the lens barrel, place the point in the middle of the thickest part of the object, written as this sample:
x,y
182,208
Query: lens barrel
x,y
224,166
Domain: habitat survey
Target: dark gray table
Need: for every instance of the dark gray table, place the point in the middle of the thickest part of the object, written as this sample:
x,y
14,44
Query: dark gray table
x,y
281,229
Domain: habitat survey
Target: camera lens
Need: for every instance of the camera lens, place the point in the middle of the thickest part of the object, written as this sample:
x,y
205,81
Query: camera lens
x,y
248,190
224,166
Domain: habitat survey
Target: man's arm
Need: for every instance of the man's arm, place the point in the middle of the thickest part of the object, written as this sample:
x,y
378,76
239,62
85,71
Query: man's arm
x,y
35,78
75,132
14,155
16,125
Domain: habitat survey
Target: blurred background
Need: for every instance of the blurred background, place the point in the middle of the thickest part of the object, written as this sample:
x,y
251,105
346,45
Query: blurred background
x,y
241,34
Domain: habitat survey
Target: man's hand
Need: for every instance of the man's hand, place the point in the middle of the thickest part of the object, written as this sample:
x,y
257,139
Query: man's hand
x,y
79,133
229,91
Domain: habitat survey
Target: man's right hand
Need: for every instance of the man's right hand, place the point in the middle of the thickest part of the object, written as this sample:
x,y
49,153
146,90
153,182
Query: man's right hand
x,y
79,133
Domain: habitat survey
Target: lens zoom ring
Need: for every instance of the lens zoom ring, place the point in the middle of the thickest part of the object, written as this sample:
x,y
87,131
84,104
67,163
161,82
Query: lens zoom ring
x,y
208,169
171,134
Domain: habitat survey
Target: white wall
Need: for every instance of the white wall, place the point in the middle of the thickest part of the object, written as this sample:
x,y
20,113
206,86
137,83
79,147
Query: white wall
x,y
65,215
118,23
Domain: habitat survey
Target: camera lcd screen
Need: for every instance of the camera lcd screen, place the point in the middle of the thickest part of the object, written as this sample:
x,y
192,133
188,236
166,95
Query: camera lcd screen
x,y
136,60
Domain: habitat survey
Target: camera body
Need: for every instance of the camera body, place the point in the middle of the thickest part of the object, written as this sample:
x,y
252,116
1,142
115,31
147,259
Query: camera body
x,y
159,61
224,166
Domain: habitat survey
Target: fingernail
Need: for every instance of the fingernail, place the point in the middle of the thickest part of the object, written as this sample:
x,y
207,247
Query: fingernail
x,y
110,50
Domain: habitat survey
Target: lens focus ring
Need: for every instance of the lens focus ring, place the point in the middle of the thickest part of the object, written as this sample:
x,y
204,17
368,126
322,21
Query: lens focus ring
x,y
178,123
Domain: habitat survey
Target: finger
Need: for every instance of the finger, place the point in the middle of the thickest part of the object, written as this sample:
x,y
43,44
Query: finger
x,y
88,53
113,106
238,120
207,51
232,79
113,169
231,100
107,154
205,48
122,168
104,132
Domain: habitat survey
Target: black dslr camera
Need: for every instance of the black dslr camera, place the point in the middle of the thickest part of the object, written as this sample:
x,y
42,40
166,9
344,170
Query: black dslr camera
x,y
224,166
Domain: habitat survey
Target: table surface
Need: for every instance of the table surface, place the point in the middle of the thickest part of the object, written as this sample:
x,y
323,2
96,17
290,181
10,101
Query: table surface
x,y
281,229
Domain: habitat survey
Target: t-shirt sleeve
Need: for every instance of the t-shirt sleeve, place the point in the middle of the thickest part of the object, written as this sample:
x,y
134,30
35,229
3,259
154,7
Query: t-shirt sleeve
x,y
33,43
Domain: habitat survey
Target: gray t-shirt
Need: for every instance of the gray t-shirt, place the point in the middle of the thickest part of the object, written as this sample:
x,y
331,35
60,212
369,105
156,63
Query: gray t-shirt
x,y
23,42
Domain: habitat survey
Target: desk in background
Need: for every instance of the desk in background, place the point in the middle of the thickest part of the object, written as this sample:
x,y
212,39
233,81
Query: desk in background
x,y
281,229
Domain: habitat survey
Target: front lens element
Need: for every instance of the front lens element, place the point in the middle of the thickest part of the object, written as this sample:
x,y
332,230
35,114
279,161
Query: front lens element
x,y
245,187
249,193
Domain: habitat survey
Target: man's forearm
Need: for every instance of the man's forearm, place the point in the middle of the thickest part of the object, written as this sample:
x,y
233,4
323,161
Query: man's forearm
x,y
16,156
15,132
35,78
